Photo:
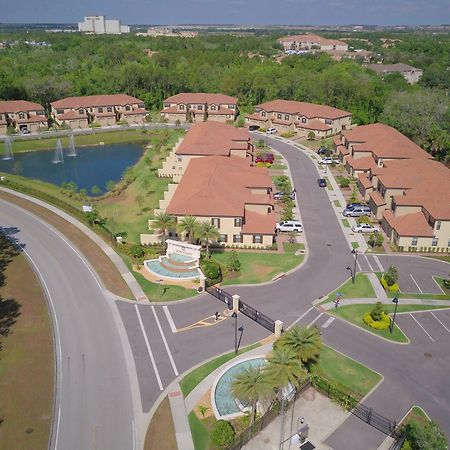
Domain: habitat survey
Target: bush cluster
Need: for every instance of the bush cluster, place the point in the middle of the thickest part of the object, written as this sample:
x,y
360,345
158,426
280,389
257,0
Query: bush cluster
x,y
222,434
212,271
381,324
394,288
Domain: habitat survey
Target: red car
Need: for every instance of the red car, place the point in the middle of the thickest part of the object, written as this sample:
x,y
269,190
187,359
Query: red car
x,y
265,158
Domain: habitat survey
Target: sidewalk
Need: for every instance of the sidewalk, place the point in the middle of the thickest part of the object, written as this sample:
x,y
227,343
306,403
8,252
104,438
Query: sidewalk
x,y
180,420
368,301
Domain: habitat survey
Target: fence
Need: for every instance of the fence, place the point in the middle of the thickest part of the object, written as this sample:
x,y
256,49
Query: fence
x,y
222,295
374,419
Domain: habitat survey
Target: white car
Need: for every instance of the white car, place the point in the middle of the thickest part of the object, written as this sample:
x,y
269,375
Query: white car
x,y
365,228
271,131
329,160
289,225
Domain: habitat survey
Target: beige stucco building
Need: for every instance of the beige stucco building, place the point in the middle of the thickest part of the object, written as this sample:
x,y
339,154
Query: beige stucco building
x,y
411,74
311,42
408,192
22,116
300,117
200,107
99,110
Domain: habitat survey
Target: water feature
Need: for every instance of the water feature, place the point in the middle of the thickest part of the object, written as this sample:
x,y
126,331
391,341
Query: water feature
x,y
94,165
71,152
58,157
8,153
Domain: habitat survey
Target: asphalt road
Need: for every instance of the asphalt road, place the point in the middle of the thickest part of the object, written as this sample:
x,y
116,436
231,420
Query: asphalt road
x,y
93,398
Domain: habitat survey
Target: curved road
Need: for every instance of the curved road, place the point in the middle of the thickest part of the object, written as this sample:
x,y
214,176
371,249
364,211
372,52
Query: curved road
x,y
93,408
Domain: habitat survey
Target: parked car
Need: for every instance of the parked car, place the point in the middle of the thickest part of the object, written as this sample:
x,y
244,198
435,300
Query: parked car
x,y
280,195
322,151
357,211
24,131
271,131
289,225
329,160
354,205
265,157
322,182
365,228
254,127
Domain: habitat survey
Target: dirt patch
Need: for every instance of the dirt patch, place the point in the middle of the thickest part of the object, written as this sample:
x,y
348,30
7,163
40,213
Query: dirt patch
x,y
206,402
161,432
104,267
26,358
260,271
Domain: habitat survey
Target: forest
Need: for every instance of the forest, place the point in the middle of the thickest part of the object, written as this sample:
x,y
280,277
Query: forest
x,y
246,66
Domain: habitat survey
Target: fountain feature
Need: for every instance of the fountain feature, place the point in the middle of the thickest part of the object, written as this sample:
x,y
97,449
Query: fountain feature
x,y
8,153
71,152
58,156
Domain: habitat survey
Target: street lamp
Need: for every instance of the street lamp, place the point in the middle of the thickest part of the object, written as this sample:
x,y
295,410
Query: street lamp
x,y
351,273
234,315
394,300
355,253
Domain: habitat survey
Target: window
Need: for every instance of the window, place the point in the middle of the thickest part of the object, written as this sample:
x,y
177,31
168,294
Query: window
x,y
414,241
127,108
182,107
328,121
237,238
21,116
303,119
286,117
81,111
257,238
216,222
213,107
438,225
263,114
141,105
231,106
166,105
238,221
434,241
40,113
279,116
200,107
100,110
180,159
223,238
59,111
109,109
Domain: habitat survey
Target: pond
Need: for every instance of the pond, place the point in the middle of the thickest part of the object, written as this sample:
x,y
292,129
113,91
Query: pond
x,y
93,165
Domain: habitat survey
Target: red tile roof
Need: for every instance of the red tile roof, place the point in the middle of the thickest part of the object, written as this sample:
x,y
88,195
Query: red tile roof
x,y
219,186
343,150
337,140
135,111
221,111
256,116
89,101
413,224
365,163
364,180
213,138
310,110
14,106
71,115
314,125
377,198
201,97
33,119
259,223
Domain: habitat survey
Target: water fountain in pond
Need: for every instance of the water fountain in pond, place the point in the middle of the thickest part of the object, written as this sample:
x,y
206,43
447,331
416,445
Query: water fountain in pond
x,y
58,156
71,151
8,153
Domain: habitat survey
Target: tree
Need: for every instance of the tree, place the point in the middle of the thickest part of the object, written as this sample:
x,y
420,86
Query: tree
x,y
311,136
305,343
233,263
188,225
425,437
207,232
391,275
162,223
110,185
95,190
253,386
377,312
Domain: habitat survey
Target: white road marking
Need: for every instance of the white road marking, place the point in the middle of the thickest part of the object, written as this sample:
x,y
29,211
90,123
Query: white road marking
x,y
301,317
359,266
152,359
420,325
415,282
169,319
174,367
315,320
432,313
328,322
368,263
378,263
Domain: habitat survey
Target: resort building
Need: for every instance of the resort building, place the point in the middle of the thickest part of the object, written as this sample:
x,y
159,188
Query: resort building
x,y
300,117
98,110
406,189
311,42
22,116
207,139
101,25
411,74
199,107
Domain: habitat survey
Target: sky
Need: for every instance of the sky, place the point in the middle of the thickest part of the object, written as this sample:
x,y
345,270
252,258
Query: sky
x,y
258,12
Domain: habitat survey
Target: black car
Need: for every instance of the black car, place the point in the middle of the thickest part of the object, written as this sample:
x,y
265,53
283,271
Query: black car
x,y
254,127
322,182
322,151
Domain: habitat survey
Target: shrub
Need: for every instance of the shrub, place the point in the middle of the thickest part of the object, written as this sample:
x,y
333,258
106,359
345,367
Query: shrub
x,y
394,288
233,263
382,324
391,276
375,240
222,433
311,136
377,311
260,143
344,183
212,271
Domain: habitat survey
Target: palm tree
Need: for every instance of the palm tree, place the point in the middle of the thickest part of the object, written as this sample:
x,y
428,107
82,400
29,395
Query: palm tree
x,y
207,232
163,222
305,343
284,368
253,386
188,225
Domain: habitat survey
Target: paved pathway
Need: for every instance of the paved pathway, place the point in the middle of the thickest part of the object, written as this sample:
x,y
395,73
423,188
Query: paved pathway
x,y
180,420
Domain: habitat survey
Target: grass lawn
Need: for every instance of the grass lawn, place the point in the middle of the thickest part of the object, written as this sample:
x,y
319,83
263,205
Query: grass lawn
x,y
346,223
338,369
417,414
354,314
316,144
278,166
200,433
27,359
445,258
362,288
258,266
355,245
337,203
161,432
49,142
192,379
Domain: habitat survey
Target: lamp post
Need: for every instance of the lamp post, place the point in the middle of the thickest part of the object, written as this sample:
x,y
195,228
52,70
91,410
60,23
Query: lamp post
x,y
351,273
394,300
355,253
234,315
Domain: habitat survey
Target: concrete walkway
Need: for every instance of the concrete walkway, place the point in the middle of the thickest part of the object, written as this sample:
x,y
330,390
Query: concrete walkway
x,y
380,293
180,421
402,301
112,255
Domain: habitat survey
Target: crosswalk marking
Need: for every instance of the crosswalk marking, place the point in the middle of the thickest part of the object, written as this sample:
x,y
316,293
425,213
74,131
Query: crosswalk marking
x,y
378,263
328,322
314,320
368,263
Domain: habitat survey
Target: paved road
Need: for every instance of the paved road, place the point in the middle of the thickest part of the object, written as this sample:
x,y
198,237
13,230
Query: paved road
x,y
93,399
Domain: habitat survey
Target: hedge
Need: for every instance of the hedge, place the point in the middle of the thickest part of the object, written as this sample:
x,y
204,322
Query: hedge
x,y
382,324
394,288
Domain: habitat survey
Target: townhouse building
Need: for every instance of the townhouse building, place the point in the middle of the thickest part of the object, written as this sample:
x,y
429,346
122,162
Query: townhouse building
x,y
311,42
102,110
22,116
200,107
300,117
410,74
407,191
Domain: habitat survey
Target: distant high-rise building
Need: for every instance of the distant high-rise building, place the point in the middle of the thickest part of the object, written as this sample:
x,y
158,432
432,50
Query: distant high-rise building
x,y
99,25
